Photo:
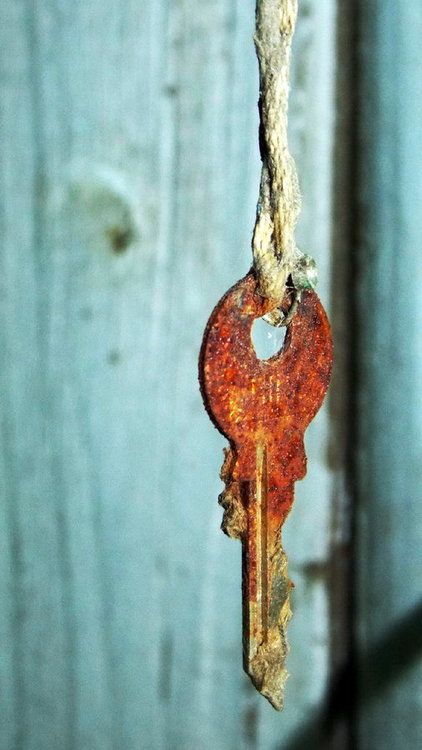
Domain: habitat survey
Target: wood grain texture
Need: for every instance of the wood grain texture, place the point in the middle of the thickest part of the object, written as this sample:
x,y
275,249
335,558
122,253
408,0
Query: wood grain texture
x,y
129,175
390,373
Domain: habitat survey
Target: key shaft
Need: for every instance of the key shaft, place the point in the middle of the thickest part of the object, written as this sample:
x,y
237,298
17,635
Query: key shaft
x,y
265,584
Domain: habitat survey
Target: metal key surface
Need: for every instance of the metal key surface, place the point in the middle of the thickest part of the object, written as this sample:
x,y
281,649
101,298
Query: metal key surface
x,y
263,407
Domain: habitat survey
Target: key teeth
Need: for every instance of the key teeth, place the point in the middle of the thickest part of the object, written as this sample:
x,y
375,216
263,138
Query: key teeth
x,y
226,471
234,522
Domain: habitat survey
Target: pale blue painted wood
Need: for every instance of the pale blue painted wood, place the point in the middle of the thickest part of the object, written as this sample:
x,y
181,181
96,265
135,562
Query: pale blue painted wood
x,y
390,372
129,178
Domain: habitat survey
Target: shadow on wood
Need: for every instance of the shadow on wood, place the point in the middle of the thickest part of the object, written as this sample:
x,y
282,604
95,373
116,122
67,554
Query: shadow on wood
x,y
384,663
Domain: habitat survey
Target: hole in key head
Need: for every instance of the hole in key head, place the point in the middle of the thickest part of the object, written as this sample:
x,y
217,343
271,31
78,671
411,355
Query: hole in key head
x,y
267,340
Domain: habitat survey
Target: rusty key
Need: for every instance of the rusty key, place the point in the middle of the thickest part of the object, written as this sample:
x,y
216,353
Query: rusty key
x,y
263,407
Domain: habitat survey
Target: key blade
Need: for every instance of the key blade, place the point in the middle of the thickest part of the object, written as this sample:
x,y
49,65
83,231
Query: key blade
x,y
266,586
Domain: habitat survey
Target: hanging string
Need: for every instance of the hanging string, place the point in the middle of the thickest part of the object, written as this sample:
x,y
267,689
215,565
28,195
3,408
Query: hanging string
x,y
275,254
